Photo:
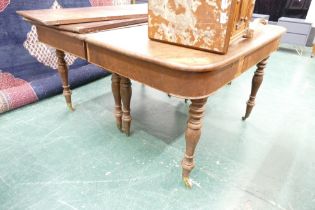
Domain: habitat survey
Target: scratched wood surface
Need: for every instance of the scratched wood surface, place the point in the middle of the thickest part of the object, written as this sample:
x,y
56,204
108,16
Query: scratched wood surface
x,y
206,25
177,57
86,14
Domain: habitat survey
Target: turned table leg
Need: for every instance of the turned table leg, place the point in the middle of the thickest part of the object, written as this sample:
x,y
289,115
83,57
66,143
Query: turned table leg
x,y
63,71
125,93
192,135
256,82
117,98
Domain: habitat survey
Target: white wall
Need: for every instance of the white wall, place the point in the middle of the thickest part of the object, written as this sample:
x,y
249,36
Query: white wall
x,y
311,13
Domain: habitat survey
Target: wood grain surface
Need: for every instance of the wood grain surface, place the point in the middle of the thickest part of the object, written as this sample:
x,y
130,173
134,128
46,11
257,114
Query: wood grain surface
x,y
83,15
83,28
177,57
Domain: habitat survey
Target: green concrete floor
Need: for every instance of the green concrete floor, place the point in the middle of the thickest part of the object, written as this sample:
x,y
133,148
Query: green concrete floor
x,y
53,159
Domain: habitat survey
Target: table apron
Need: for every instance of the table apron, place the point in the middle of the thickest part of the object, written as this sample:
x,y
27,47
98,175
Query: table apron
x,y
183,84
62,41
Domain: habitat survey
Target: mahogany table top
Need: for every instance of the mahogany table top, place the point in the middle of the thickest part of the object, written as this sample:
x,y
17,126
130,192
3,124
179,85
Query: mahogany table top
x,y
128,51
173,69
138,46
179,71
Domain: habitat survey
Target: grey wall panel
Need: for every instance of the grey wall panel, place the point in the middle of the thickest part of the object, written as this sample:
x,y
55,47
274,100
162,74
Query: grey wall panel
x,y
295,39
298,28
311,38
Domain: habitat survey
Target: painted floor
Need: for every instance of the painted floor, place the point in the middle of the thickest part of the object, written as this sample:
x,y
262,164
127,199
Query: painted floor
x,y
53,159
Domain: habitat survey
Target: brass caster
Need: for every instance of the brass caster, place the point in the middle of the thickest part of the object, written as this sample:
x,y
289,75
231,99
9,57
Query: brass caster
x,y
187,181
126,122
119,127
127,132
70,107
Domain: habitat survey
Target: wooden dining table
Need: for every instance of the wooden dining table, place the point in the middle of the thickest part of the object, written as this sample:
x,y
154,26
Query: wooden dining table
x,y
126,51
